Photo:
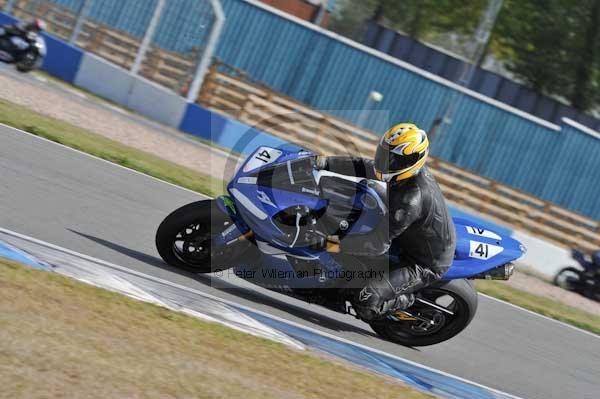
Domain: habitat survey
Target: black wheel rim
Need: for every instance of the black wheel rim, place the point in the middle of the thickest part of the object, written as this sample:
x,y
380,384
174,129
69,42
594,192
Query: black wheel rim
x,y
406,329
192,244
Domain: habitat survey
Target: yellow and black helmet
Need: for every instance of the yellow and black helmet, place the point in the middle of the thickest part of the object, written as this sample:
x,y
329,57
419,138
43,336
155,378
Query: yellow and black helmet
x,y
401,153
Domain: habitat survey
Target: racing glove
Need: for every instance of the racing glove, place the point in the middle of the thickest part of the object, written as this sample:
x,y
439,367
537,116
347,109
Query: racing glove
x,y
332,244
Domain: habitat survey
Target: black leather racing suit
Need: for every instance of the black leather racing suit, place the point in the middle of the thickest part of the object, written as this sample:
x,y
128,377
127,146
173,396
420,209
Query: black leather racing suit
x,y
20,29
418,242
15,30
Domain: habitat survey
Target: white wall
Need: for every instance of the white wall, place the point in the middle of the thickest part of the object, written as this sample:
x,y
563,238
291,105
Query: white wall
x,y
136,93
543,256
103,78
156,102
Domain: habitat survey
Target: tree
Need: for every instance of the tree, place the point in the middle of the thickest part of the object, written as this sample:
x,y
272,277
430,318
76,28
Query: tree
x,y
553,45
419,19
587,57
349,17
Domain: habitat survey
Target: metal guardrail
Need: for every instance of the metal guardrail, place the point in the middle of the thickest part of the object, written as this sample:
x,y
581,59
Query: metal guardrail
x,y
229,91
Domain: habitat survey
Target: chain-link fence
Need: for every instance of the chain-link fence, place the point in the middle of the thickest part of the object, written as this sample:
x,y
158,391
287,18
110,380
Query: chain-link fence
x,y
162,40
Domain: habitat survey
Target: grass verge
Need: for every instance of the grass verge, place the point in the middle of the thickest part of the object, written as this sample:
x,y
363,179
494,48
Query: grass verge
x,y
63,338
81,139
545,306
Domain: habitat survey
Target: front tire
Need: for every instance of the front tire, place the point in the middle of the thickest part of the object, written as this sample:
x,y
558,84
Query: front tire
x,y
184,238
565,278
458,296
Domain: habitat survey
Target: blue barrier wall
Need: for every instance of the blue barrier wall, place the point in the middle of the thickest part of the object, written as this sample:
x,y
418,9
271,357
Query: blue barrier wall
x,y
6,19
63,60
225,132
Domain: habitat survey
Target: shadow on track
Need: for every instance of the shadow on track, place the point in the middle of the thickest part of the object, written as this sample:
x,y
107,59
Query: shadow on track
x,y
240,292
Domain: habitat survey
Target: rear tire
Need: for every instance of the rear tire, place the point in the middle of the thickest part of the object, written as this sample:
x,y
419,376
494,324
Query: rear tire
x,y
27,63
407,333
184,238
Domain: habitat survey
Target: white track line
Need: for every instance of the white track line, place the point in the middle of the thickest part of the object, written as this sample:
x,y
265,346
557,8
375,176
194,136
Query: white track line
x,y
205,196
231,303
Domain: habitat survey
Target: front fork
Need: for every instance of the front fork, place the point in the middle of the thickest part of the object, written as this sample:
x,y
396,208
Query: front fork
x,y
234,233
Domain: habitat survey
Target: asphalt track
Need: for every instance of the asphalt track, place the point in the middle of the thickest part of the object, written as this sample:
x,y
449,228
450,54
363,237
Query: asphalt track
x,y
75,201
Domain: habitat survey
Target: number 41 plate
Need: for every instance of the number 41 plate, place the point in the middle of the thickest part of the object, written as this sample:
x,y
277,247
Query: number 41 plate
x,y
263,156
481,250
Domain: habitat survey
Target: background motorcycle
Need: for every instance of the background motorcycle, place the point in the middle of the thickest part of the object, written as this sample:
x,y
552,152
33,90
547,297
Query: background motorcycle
x,y
584,280
280,205
26,53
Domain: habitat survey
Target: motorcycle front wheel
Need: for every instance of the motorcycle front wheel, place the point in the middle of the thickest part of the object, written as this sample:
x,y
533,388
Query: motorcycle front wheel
x,y
455,306
184,239
27,63
566,277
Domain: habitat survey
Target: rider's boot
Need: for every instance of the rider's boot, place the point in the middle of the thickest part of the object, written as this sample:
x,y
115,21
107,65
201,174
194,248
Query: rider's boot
x,y
369,306
394,292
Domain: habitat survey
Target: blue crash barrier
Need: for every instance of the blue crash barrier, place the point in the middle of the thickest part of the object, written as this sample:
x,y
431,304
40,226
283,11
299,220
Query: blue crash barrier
x,y
225,132
63,60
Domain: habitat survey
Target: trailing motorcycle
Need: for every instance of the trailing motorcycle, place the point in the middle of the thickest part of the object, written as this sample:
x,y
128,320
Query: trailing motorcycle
x,y
584,280
26,51
279,205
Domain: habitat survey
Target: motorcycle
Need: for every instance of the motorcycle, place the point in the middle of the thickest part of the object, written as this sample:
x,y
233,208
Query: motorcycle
x,y
280,206
25,52
584,280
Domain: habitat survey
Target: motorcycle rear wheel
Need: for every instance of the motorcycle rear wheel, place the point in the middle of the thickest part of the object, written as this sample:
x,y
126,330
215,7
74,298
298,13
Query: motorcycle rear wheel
x,y
457,296
27,63
184,238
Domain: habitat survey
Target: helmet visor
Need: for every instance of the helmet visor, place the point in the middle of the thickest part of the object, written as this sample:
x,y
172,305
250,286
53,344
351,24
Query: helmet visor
x,y
388,162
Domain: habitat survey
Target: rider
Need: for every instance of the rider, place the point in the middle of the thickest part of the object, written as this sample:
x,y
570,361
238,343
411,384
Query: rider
x,y
28,30
595,264
420,228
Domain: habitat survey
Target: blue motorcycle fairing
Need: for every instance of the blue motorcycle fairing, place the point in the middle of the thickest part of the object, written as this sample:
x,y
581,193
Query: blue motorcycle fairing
x,y
478,250
475,253
258,205
264,157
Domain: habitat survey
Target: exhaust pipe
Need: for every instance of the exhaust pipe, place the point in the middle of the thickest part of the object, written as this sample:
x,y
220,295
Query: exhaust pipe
x,y
499,273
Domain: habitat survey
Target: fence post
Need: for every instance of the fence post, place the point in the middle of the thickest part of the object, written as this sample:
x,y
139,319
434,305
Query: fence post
x,y
210,85
137,64
84,10
206,57
8,7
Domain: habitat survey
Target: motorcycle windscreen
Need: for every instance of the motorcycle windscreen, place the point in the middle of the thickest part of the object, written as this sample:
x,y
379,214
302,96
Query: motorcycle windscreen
x,y
294,175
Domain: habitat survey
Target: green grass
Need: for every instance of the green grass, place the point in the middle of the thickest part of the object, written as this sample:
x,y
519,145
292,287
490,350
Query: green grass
x,y
62,338
81,139
95,144
545,306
